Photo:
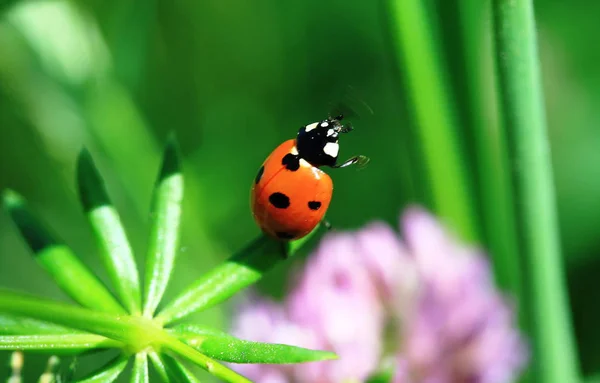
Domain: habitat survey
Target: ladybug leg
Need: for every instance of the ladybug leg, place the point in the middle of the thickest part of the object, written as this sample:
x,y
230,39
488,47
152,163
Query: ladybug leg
x,y
284,250
347,128
360,160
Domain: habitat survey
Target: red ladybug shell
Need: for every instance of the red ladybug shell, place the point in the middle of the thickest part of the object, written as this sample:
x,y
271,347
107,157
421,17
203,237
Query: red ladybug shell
x,y
289,200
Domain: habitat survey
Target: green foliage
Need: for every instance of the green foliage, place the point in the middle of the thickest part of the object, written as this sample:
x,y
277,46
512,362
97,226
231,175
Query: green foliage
x,y
233,82
43,325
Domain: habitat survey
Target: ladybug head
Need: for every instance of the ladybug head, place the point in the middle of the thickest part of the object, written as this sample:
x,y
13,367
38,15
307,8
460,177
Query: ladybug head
x,y
317,143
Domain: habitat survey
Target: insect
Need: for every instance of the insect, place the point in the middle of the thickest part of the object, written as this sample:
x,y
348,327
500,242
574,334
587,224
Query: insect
x,y
291,194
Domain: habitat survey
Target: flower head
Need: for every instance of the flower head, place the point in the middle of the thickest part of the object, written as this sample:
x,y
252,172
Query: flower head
x,y
427,299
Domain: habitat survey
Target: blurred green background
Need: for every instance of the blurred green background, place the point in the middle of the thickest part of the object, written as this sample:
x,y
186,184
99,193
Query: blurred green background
x,y
234,79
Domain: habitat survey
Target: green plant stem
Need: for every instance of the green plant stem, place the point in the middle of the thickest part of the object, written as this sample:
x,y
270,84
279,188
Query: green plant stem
x,y
75,342
107,226
554,355
434,115
164,235
140,368
491,152
240,271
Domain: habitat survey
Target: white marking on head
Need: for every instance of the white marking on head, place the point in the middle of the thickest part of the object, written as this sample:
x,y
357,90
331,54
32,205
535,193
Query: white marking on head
x,y
310,127
305,163
330,132
294,151
331,149
324,124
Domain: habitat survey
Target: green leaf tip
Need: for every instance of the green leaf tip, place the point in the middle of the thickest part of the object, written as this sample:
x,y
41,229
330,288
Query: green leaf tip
x,y
233,350
35,234
171,163
92,191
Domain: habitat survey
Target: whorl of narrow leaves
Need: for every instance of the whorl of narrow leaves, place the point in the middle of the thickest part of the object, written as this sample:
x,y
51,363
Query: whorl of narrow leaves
x,y
32,323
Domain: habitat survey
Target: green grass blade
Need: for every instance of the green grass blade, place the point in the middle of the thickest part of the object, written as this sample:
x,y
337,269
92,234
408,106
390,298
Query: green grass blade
x,y
178,371
58,259
140,369
554,354
203,361
108,373
115,248
164,236
434,115
14,325
131,330
240,271
59,342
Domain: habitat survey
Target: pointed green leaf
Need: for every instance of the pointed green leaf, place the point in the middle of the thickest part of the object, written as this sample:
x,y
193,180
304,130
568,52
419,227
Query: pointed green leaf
x,y
15,325
105,221
230,349
166,218
107,373
58,260
240,271
69,343
140,369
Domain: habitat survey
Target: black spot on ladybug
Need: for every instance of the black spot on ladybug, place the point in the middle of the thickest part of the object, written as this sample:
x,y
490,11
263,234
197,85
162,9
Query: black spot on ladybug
x,y
279,200
284,235
314,205
291,162
259,175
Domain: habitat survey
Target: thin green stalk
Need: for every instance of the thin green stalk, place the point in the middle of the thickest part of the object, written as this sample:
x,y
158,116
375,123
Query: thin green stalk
x,y
434,115
116,251
240,271
58,259
164,235
140,368
491,152
74,342
554,354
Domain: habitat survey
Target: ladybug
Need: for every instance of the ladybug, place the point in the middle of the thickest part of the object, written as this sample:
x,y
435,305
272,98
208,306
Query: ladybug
x,y
290,194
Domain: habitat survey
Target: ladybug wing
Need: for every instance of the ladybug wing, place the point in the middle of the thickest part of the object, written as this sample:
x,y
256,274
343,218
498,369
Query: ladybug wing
x,y
288,202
